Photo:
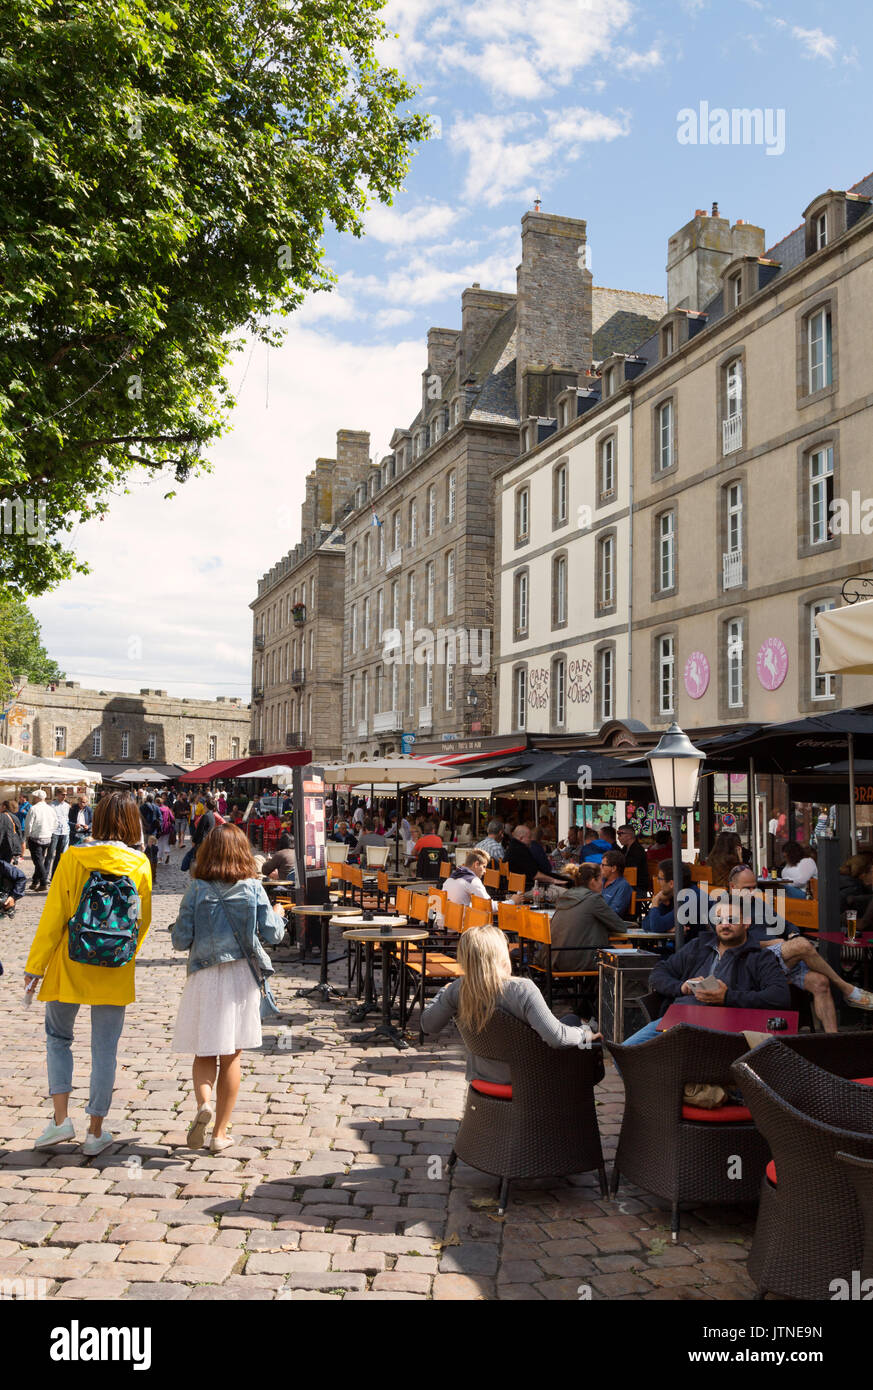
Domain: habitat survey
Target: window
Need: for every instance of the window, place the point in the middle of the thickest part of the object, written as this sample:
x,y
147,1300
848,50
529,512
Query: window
x,y
451,486
606,683
520,696
821,684
377,697
559,591
735,290
213,748
364,694
667,339
820,351
820,231
431,509
396,531
665,425
381,545
559,495
367,553
606,572
734,387
410,598
125,748
734,638
354,632
354,562
821,495
521,604
456,411
365,625
732,557
607,467
428,680
312,585
413,522
189,747
522,515
309,714
450,582
311,648
97,743
434,429
410,690
352,701
608,382
153,745
234,747
450,685
380,614
559,692
395,688
666,666
666,551
429,579
395,604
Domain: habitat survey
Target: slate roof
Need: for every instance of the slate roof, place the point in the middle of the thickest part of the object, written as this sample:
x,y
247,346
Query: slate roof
x,y
623,333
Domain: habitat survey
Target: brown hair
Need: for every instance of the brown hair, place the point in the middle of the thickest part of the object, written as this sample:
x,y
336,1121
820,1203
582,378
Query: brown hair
x,y
856,865
224,856
723,857
116,817
581,874
476,856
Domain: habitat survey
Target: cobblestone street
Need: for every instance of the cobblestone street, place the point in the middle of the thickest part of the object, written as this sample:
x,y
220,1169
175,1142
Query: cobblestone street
x,y
332,1189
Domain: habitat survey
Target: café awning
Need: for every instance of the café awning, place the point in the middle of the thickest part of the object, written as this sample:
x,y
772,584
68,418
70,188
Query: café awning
x,y
845,638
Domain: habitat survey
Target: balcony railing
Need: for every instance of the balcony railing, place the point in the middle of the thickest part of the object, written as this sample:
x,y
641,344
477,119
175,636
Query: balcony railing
x,y
257,692
732,433
393,560
256,745
293,740
298,676
388,722
425,717
363,728
732,569
260,641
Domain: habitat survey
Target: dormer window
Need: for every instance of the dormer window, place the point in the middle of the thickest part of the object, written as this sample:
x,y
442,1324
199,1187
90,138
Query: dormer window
x,y
735,290
608,382
667,340
820,231
435,429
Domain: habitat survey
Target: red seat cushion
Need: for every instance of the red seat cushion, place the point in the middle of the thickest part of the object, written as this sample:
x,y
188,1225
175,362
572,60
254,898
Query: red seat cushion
x,y
863,1080
770,1170
724,1114
492,1088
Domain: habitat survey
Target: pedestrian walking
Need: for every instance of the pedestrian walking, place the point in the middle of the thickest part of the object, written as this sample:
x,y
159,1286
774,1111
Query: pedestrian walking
x,y
91,929
168,820
10,833
81,817
224,918
182,812
38,830
61,834
23,812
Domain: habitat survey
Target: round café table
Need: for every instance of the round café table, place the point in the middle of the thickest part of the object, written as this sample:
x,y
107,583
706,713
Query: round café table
x,y
386,931
325,912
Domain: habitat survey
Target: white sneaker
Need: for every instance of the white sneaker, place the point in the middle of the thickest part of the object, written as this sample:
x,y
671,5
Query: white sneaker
x,y
55,1134
96,1143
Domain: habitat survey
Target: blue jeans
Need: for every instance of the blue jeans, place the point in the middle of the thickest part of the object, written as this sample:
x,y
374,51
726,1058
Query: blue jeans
x,y
59,844
645,1034
107,1021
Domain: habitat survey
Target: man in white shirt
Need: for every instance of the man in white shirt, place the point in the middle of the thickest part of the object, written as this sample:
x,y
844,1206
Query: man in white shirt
x,y
60,840
493,844
38,830
465,884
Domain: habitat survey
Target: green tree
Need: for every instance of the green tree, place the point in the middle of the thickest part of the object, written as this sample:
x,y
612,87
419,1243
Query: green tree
x,y
21,650
166,176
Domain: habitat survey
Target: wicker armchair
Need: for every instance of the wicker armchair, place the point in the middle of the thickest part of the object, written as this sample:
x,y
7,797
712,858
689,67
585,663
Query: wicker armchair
x,y
548,1129
860,1173
810,1229
844,1054
667,1152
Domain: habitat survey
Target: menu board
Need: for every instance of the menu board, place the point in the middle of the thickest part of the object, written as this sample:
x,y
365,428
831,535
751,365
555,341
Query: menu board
x,y
314,826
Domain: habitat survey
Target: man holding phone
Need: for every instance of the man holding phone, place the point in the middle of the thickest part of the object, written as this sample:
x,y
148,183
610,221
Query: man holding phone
x,y
719,967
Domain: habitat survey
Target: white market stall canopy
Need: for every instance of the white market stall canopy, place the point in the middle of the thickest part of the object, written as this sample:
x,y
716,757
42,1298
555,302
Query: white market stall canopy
x,y
55,774
846,639
476,788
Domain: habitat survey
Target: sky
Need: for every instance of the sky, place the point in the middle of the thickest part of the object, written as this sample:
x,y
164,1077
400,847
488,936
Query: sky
x,y
582,103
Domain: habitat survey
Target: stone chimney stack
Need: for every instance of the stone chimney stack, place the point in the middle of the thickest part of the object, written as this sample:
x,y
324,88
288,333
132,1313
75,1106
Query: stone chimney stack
x,y
352,468
480,310
441,348
554,299
696,257
747,240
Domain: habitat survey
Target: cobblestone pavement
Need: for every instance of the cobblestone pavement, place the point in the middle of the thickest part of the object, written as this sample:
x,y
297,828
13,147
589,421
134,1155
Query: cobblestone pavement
x,y
333,1188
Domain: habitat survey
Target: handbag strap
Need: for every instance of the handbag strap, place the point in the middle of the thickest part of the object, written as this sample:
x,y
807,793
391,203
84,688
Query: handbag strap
x,y
258,974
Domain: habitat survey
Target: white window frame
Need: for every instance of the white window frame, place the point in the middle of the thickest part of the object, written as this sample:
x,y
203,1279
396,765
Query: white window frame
x,y
734,519
97,743
431,509
821,683
189,747
561,494
734,639
428,679
607,572
521,603
365,624
413,522
410,598
450,686
522,515
559,691
821,483
213,748
429,588
450,583
819,333
607,683
733,388
125,747
607,466
667,551
666,674
395,603
60,739
820,230
153,745
666,436
354,629
559,579
451,489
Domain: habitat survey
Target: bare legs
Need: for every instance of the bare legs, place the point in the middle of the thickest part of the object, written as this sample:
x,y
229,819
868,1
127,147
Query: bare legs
x,y
226,1088
799,948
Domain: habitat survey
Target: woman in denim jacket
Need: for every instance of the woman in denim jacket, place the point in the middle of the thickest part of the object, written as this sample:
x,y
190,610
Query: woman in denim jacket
x,y
223,919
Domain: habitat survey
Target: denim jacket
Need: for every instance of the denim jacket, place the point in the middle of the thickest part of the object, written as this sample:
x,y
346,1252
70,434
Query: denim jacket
x,y
203,927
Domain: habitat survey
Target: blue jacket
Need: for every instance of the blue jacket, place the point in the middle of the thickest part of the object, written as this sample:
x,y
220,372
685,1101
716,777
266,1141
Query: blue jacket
x,y
595,851
12,881
208,914
618,894
758,979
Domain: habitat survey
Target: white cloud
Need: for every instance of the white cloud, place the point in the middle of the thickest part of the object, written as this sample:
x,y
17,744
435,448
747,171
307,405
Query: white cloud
x,y
817,43
391,318
418,223
626,60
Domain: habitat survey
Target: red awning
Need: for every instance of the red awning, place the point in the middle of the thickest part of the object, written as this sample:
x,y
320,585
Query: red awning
x,y
497,753
234,767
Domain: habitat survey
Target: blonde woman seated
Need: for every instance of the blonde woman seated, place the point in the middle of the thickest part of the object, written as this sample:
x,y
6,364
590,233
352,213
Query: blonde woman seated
x,y
488,984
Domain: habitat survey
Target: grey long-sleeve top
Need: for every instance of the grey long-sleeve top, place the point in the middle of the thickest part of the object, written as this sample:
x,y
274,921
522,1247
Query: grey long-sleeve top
x,y
523,1000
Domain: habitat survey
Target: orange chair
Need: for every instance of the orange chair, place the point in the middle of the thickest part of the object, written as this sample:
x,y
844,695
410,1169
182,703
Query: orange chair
x,y
701,873
801,913
534,930
417,907
813,889
516,883
491,879
445,870
508,916
454,917
403,901
477,917
630,874
503,868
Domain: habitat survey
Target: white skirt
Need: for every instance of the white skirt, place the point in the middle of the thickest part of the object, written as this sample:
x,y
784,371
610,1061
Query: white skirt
x,y
219,1012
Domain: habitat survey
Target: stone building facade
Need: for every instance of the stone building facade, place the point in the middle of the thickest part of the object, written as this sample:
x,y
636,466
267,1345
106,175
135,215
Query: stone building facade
x,y
112,730
298,617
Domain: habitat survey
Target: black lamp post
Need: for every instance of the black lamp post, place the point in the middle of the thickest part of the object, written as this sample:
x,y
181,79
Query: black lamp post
x,y
675,769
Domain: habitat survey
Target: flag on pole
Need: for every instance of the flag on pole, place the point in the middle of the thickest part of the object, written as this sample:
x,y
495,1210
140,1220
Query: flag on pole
x,y
376,521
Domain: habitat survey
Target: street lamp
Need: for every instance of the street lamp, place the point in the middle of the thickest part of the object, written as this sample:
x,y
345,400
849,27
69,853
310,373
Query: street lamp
x,y
675,769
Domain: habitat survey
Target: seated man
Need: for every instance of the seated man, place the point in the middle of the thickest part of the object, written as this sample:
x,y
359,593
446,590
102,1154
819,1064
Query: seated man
x,y
634,856
746,976
594,846
342,835
13,885
281,862
797,955
464,884
493,842
616,889
428,839
694,904
521,861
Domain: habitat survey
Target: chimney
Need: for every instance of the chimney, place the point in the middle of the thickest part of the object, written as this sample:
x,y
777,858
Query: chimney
x,y
480,310
746,239
554,298
352,467
441,351
696,256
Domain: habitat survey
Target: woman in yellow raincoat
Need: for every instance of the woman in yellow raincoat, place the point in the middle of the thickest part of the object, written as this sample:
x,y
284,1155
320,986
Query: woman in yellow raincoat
x,y
67,984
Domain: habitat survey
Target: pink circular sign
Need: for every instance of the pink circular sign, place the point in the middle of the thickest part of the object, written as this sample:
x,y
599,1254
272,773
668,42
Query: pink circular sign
x,y
772,663
696,675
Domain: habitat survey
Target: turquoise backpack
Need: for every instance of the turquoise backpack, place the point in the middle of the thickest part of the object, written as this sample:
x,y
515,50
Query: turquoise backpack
x,y
104,929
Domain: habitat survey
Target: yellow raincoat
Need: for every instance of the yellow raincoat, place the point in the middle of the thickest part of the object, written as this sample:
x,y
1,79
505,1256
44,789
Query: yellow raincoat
x,y
63,979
